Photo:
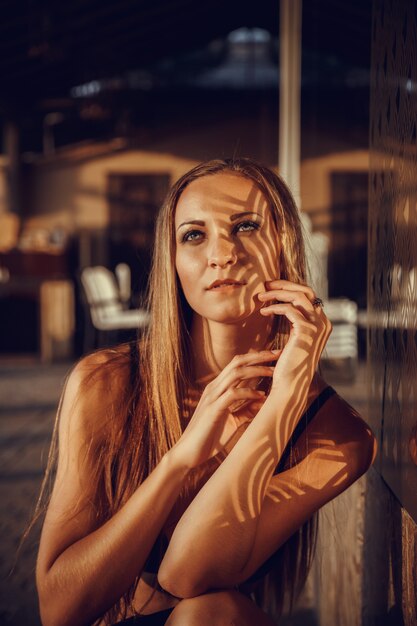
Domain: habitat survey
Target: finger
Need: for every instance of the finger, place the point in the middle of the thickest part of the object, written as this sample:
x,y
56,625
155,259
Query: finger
x,y
239,374
239,394
290,286
294,315
296,298
251,407
251,358
255,405
222,381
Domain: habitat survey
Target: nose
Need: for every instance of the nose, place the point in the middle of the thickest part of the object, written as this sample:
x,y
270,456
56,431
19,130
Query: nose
x,y
222,253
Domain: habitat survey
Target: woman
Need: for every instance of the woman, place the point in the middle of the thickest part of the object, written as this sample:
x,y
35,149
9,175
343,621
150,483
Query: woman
x,y
188,464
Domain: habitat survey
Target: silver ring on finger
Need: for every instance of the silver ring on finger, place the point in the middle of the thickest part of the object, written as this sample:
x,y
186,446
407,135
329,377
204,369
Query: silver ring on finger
x,y
317,302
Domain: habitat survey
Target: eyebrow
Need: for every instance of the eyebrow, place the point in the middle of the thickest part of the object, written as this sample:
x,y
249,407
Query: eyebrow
x,y
233,218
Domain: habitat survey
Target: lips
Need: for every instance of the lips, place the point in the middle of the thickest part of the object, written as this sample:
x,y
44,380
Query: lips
x,y
227,282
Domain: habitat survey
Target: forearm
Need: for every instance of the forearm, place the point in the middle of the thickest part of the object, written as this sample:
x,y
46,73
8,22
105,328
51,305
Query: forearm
x,y
214,538
90,575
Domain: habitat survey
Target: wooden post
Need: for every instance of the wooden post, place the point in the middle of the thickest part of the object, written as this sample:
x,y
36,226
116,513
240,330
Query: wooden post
x,y
289,93
12,151
56,320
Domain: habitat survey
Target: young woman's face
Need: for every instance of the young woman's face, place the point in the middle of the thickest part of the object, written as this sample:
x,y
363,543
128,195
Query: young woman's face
x,y
227,246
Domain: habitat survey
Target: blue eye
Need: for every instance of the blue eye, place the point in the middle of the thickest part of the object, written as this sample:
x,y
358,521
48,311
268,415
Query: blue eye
x,y
245,227
194,236
191,235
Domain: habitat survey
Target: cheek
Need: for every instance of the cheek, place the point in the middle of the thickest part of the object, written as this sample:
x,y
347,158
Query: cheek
x,y
265,258
187,270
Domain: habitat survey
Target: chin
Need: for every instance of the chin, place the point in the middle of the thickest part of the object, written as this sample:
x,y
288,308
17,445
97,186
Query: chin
x,y
228,315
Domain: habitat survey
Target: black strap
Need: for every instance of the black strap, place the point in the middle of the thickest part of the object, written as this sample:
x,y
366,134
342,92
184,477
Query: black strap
x,y
303,422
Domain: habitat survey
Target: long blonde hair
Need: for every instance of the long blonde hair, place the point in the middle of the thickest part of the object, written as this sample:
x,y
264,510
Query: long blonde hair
x,y
150,415
165,349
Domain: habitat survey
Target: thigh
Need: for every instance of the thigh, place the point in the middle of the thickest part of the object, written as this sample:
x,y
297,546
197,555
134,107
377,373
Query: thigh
x,y
218,608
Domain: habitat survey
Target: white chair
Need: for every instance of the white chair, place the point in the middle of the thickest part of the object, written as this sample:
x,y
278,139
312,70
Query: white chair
x,y
341,351
107,308
124,280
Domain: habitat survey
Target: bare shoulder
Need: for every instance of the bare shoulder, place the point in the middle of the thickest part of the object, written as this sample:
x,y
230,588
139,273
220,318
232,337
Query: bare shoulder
x,y
94,386
102,367
338,424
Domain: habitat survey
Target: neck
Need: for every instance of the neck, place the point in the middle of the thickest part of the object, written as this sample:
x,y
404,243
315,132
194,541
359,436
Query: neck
x,y
215,344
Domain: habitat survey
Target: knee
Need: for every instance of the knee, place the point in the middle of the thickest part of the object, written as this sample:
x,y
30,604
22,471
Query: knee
x,y
200,611
222,608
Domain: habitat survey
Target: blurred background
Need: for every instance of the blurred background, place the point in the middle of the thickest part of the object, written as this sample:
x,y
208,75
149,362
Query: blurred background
x,y
103,105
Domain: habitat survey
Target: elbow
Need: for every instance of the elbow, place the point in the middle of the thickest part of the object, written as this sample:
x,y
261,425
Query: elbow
x,y
369,450
180,583
55,608
53,614
49,614
363,453
48,618
372,451
46,600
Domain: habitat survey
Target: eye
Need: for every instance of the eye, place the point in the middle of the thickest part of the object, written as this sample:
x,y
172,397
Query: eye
x,y
192,235
245,227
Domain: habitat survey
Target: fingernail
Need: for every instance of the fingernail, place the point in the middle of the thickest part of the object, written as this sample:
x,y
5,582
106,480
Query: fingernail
x,y
276,351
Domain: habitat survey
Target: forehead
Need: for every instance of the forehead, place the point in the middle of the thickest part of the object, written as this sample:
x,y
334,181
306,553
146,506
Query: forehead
x,y
223,193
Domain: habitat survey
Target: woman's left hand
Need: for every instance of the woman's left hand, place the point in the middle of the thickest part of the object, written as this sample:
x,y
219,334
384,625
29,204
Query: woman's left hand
x,y
309,329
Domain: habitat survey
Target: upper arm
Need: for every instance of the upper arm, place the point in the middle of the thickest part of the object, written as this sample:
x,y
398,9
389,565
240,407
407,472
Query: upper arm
x,y
334,451
82,426
339,429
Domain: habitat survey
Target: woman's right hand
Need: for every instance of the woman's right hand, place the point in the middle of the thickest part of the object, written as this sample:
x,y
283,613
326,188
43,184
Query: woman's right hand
x,y
215,420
